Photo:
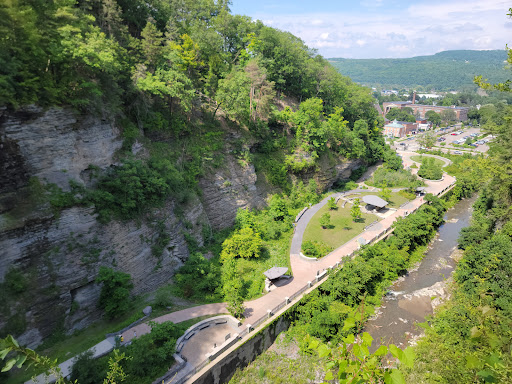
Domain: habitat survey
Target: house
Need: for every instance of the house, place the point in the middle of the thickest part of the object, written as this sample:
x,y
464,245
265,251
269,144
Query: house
x,y
399,128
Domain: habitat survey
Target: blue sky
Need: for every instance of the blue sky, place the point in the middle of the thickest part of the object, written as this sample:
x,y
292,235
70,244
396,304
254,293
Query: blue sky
x,y
386,28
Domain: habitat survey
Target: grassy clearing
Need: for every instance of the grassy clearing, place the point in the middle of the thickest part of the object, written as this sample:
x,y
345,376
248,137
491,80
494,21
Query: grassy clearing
x,y
342,227
437,162
276,253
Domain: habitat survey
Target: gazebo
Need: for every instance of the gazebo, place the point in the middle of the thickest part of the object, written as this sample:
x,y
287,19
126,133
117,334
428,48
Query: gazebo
x,y
275,272
375,201
421,190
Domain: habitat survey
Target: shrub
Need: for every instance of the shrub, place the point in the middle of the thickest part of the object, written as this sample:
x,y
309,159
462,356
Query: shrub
x,y
315,249
15,281
88,370
430,170
115,292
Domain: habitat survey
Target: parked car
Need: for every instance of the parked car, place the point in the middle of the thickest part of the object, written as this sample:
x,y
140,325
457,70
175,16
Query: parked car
x,y
473,145
458,152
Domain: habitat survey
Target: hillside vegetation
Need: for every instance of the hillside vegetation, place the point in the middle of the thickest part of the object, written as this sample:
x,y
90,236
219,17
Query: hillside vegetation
x,y
446,70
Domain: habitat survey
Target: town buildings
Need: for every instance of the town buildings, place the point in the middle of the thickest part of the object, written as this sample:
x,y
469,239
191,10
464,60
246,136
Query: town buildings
x,y
420,110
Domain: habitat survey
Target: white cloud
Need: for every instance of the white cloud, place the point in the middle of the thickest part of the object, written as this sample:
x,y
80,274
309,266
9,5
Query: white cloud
x,y
423,28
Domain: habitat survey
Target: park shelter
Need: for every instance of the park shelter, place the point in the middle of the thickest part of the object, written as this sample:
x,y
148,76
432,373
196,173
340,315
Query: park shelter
x,y
375,201
275,272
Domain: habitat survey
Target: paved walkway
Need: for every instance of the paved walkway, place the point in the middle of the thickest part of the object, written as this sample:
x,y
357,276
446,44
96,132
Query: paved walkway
x,y
303,270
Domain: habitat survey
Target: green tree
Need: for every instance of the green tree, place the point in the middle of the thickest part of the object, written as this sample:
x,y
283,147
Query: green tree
x,y
232,288
427,139
331,204
243,243
115,291
355,211
433,117
401,115
385,193
325,220
448,115
233,95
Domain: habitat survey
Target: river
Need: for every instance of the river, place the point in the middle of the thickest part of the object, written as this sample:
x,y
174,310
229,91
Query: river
x,y
413,297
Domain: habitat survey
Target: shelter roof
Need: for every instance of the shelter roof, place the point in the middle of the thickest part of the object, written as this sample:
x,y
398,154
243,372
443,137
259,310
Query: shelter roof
x,y
375,200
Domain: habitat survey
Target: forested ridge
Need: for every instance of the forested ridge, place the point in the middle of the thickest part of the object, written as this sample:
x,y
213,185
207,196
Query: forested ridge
x,y
166,71
444,71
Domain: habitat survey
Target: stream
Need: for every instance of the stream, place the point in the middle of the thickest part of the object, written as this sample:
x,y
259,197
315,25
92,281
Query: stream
x,y
414,296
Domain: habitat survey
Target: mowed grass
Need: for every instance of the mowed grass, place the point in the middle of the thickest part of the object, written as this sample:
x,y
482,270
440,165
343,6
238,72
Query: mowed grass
x,y
342,228
419,159
275,253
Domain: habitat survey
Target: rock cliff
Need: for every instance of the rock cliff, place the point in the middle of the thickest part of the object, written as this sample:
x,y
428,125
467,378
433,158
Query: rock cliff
x,y
56,255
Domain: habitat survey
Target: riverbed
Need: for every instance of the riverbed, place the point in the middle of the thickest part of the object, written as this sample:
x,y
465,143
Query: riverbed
x,y
415,295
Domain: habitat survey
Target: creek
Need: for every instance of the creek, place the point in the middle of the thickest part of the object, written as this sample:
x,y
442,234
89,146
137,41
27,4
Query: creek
x,y
415,295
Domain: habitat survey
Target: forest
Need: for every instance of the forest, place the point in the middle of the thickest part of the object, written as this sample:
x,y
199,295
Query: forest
x,y
444,71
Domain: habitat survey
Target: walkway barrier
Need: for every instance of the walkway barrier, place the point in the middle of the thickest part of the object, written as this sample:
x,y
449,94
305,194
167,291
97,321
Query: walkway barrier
x,y
300,214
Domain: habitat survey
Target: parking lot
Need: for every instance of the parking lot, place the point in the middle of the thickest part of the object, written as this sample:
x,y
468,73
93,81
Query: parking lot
x,y
411,143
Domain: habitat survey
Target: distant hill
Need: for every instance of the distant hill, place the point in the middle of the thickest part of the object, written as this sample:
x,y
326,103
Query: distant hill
x,y
443,71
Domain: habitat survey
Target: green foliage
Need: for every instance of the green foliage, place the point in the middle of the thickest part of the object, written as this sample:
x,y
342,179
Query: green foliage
x,y
430,170
325,220
232,288
149,355
387,178
243,243
88,370
15,282
315,249
128,190
115,291
331,204
199,279
355,211
441,71
352,361
385,193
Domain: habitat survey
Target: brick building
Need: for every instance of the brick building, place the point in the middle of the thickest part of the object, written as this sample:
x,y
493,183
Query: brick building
x,y
399,128
461,113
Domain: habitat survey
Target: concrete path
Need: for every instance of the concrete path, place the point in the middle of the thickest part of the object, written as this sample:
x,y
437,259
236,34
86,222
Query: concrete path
x,y
98,350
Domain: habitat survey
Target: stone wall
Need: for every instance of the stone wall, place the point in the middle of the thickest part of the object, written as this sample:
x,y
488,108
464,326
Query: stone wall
x,y
224,370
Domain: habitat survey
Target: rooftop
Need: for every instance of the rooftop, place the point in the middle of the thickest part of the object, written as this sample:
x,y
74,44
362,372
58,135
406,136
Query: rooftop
x,y
375,201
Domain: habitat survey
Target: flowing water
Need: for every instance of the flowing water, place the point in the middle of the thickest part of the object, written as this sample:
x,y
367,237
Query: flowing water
x,y
413,297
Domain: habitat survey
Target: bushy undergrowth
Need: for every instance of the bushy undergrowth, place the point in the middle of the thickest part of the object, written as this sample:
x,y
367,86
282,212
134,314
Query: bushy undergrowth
x,y
385,177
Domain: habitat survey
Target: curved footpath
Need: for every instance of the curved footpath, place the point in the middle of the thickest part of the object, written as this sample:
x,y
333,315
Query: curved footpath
x,y
303,270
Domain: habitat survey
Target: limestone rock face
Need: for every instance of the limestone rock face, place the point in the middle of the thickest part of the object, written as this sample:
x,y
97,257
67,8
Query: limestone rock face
x,y
57,145
59,254
227,189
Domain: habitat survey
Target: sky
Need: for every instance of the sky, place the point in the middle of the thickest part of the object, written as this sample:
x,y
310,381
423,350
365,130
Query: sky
x,y
364,29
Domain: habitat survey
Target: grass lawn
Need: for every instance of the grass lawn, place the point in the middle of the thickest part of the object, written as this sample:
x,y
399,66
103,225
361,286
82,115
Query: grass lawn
x,y
276,253
419,159
342,227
